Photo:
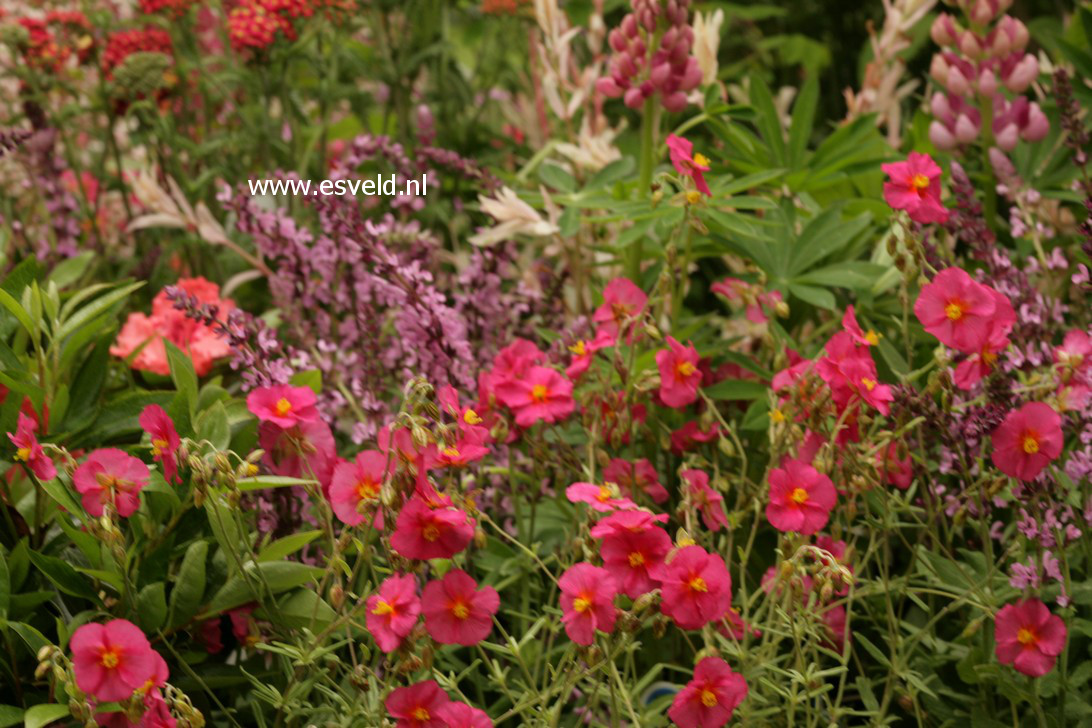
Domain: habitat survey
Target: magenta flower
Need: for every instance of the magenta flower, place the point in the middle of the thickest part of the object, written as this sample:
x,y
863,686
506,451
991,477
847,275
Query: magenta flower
x,y
355,482
622,300
679,373
165,441
392,612
801,498
1029,637
710,698
461,715
915,187
283,405
639,475
1027,440
957,310
112,661
708,501
456,611
602,498
695,586
630,554
587,601
423,532
420,705
28,450
111,476
542,394
687,163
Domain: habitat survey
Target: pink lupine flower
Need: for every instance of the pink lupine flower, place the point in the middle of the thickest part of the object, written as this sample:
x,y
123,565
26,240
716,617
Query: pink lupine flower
x,y
957,310
420,705
461,715
1027,441
859,335
355,482
1029,637
283,404
112,661
392,612
603,498
801,498
708,501
687,163
695,586
679,373
165,440
622,300
456,611
426,533
915,187
542,394
630,554
28,450
639,475
710,698
111,476
587,601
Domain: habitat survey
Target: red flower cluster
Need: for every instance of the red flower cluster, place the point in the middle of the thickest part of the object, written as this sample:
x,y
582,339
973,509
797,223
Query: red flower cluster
x,y
124,43
254,24
52,40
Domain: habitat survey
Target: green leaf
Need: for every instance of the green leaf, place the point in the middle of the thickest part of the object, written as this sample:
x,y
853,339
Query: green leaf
x,y
768,120
152,607
182,374
311,378
556,177
10,716
189,585
68,271
63,576
17,311
616,171
750,181
283,547
803,120
213,425
819,297
5,584
269,481
99,306
856,274
40,716
735,389
279,575
825,234
301,608
31,636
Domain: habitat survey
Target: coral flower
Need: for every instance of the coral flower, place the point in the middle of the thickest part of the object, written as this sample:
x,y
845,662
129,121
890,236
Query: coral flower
x,y
710,698
587,601
111,476
801,498
425,533
603,498
630,554
542,394
456,611
1029,637
418,706
636,476
695,586
461,715
112,661
1027,440
708,501
687,163
679,373
957,310
392,612
356,482
915,187
165,441
28,450
622,300
283,404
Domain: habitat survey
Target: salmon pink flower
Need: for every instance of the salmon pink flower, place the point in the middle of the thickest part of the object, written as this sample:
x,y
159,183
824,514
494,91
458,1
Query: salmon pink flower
x,y
112,661
543,394
636,476
957,310
423,532
355,482
687,163
111,476
418,706
630,553
1029,637
679,373
392,612
283,405
710,698
461,715
801,498
622,301
915,187
603,498
695,586
587,601
165,440
28,450
707,500
456,611
1027,440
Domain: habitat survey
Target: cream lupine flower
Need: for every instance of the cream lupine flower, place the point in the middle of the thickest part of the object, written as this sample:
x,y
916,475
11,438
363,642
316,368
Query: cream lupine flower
x,y
515,217
593,151
707,43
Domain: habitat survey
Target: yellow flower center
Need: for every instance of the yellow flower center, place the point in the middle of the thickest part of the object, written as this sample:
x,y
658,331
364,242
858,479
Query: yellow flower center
x,y
777,415
698,584
869,384
421,714
988,357
693,197
685,369
540,393
109,659
708,698
604,494
471,417
872,337
581,604
159,446
919,182
700,160
460,610
282,407
366,489
1025,636
954,311
383,608
431,532
1031,443
579,348
451,452
636,559
23,454
799,496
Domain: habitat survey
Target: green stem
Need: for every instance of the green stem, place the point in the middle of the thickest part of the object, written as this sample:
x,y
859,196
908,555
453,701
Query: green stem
x,y
649,121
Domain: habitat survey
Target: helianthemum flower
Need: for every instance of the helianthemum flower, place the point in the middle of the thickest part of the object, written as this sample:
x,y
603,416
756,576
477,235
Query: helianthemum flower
x,y
915,187
603,498
28,450
801,498
113,660
622,301
957,310
639,475
461,715
356,482
423,532
1027,441
392,612
709,502
687,163
1029,637
418,706
630,552
679,373
456,611
587,601
695,586
541,395
710,698
111,476
283,405
165,441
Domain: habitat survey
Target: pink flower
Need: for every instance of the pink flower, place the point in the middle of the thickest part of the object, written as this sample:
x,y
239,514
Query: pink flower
x,y
687,163
587,601
461,715
418,706
679,374
112,661
283,404
898,473
304,451
110,475
695,586
1029,637
957,310
425,533
584,351
165,440
456,611
710,698
28,450
355,482
622,301
915,187
708,501
461,454
1027,440
630,554
636,476
690,434
392,613
1074,356
860,336
542,394
603,498
979,364
801,498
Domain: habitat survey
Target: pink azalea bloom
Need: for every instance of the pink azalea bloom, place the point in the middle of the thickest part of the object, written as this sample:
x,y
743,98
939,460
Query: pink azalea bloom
x,y
392,612
915,187
1027,440
859,335
710,698
708,501
283,404
461,715
420,705
304,451
679,374
691,434
1029,637
456,611
28,450
587,601
957,310
898,473
801,498
603,498
355,482
636,476
630,554
695,587
687,163
543,394
112,661
112,476
165,440
622,300
425,533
